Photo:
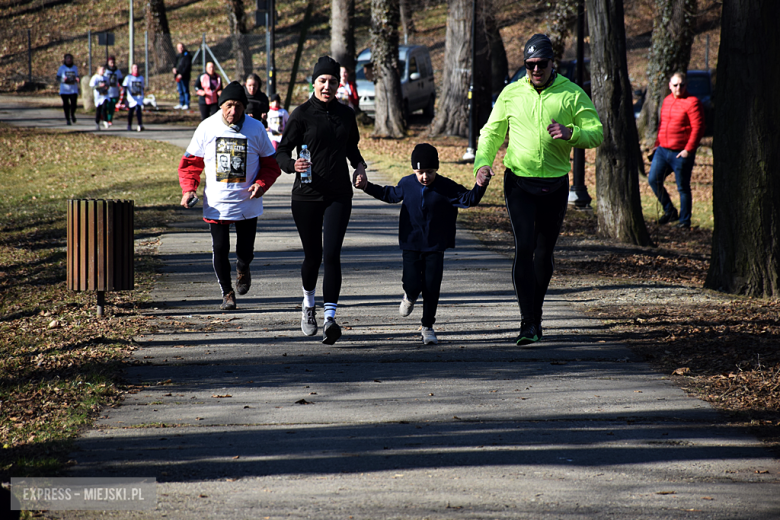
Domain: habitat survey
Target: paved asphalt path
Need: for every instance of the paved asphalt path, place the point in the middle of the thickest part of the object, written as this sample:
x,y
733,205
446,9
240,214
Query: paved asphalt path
x,y
238,415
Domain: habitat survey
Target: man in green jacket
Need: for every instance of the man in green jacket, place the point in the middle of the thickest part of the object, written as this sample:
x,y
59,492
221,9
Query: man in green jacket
x,y
546,116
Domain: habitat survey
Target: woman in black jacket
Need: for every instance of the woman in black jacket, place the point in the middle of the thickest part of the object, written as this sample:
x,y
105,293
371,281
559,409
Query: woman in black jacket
x,y
321,208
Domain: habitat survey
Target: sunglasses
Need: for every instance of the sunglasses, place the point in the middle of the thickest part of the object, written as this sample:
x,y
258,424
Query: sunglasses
x,y
541,64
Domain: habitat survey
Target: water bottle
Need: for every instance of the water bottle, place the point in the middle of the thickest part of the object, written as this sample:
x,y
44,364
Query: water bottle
x,y
306,155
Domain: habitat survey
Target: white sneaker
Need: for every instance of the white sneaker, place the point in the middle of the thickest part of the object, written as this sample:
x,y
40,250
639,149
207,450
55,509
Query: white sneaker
x,y
177,107
185,107
406,307
140,128
105,124
429,337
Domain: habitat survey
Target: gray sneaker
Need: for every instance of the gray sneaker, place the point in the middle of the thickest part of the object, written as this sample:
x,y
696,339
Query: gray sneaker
x,y
309,321
429,337
406,307
243,281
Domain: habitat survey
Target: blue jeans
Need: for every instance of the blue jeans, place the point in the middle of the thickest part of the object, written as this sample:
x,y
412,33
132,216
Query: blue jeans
x,y
665,162
183,88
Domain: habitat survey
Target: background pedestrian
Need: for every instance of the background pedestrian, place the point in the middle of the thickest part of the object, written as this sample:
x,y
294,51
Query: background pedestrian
x,y
679,132
68,78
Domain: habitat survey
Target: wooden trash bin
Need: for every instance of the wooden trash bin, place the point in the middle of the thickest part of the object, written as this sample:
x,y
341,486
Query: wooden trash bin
x,y
100,247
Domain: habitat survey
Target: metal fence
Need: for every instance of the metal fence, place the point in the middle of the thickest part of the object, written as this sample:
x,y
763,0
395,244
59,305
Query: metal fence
x,y
30,58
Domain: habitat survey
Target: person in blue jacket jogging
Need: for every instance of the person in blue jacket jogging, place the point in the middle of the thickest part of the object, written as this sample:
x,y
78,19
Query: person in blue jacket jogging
x,y
426,227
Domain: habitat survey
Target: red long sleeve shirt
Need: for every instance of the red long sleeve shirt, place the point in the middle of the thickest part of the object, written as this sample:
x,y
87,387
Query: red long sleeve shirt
x,y
682,123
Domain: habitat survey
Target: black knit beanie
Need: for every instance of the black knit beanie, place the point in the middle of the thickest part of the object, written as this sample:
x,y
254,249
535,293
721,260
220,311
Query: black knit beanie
x,y
326,65
234,91
425,157
538,46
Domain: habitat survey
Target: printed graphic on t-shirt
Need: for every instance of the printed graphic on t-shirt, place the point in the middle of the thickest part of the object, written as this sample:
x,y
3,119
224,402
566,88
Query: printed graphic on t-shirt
x,y
276,123
70,76
112,80
231,159
136,88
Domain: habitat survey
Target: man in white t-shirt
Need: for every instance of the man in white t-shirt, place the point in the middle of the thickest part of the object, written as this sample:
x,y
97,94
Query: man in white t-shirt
x,y
238,158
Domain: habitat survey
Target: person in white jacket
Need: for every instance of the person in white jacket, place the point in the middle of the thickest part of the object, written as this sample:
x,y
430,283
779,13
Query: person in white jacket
x,y
68,78
134,87
99,91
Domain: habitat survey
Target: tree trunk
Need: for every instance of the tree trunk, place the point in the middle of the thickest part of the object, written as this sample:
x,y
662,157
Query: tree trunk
x,y
452,115
670,52
618,159
746,172
560,20
483,70
388,118
239,44
161,47
407,22
499,65
342,32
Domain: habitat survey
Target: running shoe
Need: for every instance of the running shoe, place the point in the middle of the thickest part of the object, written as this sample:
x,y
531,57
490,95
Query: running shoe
x,y
309,321
529,333
141,129
185,107
177,107
73,119
228,301
331,332
669,217
243,281
429,336
406,307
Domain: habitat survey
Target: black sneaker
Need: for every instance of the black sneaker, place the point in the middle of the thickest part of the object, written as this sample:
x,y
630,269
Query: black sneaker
x,y
73,118
684,225
539,328
228,301
243,281
529,333
669,217
331,332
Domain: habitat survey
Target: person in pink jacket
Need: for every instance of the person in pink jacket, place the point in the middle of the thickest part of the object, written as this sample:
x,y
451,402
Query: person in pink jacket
x,y
209,89
679,132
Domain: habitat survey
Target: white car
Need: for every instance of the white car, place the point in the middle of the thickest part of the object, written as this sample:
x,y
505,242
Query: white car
x,y
417,86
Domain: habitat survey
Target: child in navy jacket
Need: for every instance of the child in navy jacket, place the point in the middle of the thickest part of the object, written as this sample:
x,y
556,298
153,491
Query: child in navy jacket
x,y
426,228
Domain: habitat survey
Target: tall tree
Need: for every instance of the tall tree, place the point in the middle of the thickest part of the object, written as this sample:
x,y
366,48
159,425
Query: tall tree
x,y
673,32
559,23
156,20
452,116
407,21
238,37
388,118
499,65
618,159
342,32
746,172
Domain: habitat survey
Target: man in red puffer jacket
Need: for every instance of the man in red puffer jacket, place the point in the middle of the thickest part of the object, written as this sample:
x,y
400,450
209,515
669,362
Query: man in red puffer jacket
x,y
679,133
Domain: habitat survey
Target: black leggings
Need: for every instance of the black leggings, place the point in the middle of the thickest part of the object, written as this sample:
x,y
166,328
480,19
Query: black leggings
x,y
220,245
536,222
207,111
69,105
423,271
100,113
137,110
322,226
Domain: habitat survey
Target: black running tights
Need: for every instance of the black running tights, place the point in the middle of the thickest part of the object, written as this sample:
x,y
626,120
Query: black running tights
x,y
422,273
69,105
220,245
536,222
322,226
